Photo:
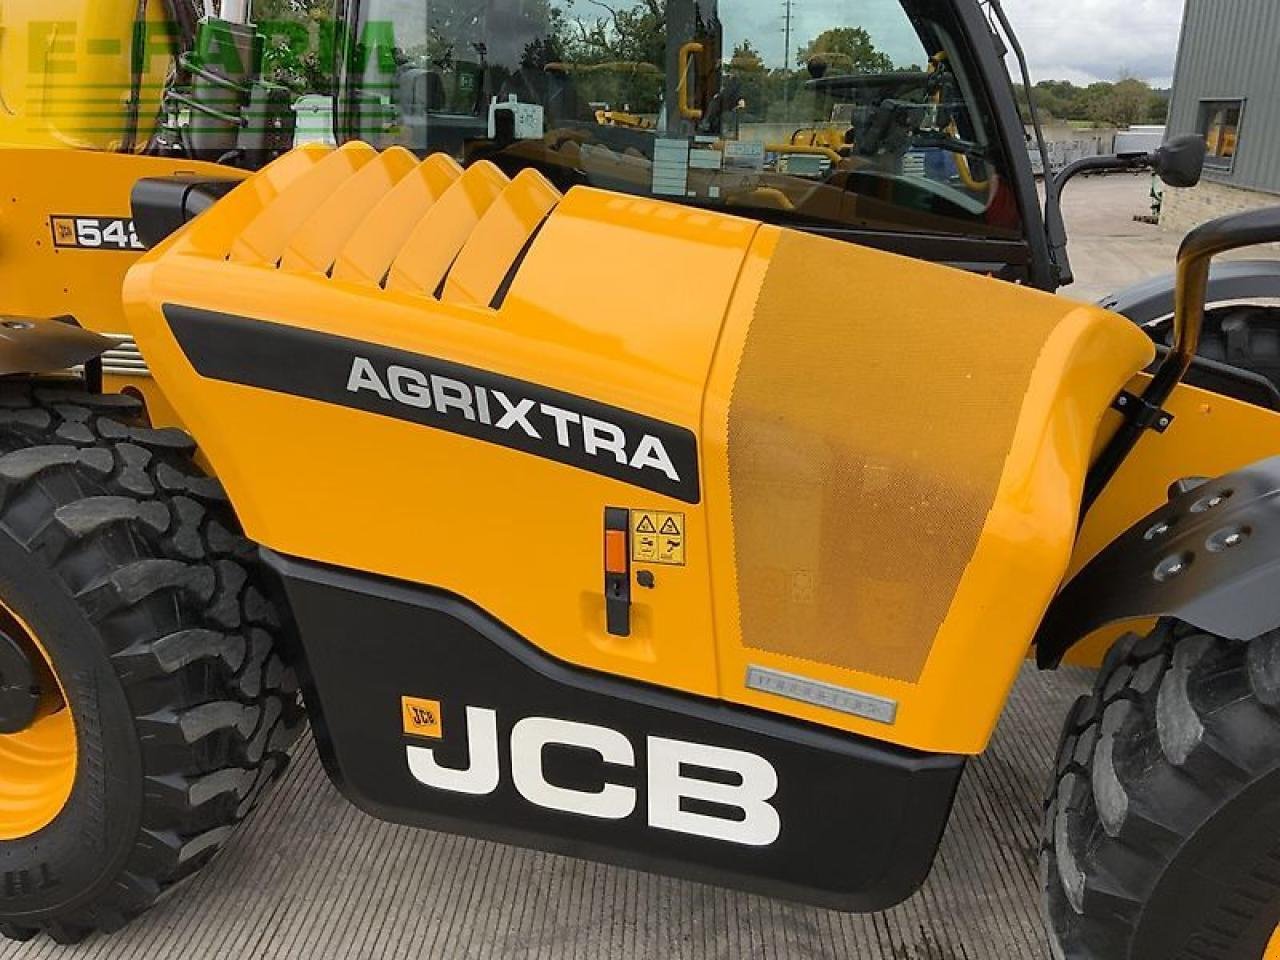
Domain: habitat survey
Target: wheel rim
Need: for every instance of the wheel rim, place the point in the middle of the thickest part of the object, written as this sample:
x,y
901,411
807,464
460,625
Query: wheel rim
x,y
1273,948
37,765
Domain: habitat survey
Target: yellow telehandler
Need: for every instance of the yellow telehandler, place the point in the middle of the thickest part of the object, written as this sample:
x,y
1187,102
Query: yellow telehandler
x,y
695,578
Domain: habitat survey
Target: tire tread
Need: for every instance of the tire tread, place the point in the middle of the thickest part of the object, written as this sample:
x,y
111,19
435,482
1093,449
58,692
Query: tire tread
x,y
1146,758
174,593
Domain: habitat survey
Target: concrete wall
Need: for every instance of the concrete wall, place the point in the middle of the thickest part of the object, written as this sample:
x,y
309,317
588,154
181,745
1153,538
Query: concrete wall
x,y
1184,210
1099,139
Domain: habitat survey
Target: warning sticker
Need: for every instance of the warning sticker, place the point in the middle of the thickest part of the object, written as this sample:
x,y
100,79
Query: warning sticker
x,y
422,717
657,537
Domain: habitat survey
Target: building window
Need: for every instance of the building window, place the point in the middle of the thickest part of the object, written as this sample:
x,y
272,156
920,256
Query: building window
x,y
1220,124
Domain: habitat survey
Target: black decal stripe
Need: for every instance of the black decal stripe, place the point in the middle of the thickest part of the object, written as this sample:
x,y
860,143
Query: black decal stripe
x,y
306,363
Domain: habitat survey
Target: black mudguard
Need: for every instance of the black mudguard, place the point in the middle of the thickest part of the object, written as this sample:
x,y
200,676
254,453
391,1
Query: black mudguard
x,y
1153,299
1209,557
857,821
46,345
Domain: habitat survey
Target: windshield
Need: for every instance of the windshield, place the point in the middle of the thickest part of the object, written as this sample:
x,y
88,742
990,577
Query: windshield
x,y
846,113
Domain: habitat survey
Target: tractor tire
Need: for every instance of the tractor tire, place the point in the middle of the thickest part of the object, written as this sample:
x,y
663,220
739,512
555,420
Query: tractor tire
x,y
1162,827
125,562
1242,335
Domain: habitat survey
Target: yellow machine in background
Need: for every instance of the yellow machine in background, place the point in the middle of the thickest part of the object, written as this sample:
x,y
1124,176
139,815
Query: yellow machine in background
x,y
82,74
67,238
82,87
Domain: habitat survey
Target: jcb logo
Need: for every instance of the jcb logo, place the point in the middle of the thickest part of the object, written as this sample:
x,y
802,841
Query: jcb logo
x,y
421,717
677,798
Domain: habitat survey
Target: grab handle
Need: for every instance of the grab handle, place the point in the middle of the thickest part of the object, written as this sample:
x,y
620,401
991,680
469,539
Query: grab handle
x,y
682,88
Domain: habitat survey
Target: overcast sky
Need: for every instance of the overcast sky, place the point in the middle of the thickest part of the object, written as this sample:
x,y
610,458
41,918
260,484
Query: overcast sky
x,y
1087,40
1077,40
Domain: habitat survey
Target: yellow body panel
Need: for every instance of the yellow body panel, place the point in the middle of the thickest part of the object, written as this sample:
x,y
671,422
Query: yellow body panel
x,y
445,227
369,252
266,237
65,72
386,489
519,535
38,278
1027,539
386,502
498,238
41,279
317,244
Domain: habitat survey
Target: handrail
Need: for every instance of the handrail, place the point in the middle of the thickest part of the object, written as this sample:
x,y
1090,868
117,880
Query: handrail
x,y
682,86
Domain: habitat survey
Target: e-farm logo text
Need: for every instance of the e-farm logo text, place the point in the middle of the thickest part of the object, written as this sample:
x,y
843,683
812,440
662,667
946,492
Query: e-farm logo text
x,y
63,48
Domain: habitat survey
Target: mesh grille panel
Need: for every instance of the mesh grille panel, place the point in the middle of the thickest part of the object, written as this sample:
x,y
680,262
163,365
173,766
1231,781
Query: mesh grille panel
x,y
864,454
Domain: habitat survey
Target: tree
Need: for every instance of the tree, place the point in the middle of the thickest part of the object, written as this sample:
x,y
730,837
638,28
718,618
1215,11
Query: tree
x,y
1159,110
747,67
1123,103
636,34
746,58
541,51
846,49
299,38
626,46
1126,103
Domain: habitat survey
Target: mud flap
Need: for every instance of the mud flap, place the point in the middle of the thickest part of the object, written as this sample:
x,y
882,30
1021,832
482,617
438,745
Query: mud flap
x,y
429,712
1210,557
46,344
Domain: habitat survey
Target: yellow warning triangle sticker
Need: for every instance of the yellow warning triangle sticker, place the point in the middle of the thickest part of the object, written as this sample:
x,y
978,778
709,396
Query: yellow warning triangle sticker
x,y
669,527
646,525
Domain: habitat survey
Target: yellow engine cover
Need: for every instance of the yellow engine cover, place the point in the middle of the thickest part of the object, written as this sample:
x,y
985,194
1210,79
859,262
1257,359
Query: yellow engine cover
x,y
853,516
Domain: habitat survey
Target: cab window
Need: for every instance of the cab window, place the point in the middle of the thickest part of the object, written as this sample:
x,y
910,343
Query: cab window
x,y
862,114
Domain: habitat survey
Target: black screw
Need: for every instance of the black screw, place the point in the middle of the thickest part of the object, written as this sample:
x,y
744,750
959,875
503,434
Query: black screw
x,y
645,578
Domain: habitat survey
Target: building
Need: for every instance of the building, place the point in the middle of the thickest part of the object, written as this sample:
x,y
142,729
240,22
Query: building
x,y
1227,88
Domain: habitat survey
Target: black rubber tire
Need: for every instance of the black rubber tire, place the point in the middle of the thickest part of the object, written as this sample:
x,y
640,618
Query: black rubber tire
x,y
1162,827
127,561
1242,335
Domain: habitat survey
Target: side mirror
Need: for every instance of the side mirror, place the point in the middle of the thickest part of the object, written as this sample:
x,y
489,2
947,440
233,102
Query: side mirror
x,y
1180,162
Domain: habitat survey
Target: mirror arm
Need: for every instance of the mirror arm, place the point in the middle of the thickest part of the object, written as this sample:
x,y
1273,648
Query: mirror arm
x,y
1055,227
1110,163
1194,258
